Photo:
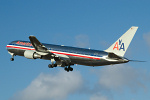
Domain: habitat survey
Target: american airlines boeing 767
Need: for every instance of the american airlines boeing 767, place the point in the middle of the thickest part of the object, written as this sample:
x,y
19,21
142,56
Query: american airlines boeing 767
x,y
65,56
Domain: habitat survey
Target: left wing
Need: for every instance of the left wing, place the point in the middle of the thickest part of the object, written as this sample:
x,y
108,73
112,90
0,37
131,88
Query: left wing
x,y
61,60
37,45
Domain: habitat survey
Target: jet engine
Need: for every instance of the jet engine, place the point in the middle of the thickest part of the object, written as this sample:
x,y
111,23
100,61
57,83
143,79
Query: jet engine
x,y
31,54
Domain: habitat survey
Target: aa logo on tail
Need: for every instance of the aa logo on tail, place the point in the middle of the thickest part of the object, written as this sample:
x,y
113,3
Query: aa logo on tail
x,y
119,46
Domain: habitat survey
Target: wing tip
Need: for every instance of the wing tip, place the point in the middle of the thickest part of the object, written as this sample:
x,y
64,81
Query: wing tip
x,y
31,36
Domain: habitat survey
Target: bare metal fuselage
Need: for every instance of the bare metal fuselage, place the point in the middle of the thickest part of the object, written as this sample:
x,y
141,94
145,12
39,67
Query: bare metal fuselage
x,y
75,55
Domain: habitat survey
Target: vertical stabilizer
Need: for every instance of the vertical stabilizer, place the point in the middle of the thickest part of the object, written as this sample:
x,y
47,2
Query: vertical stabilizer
x,y
121,45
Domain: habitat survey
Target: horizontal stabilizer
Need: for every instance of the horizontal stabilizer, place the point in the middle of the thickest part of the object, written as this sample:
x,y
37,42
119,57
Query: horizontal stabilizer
x,y
137,61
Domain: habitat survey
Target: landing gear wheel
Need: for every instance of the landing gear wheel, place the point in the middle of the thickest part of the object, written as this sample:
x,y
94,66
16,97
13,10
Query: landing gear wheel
x,y
50,66
55,65
65,68
71,69
11,59
68,69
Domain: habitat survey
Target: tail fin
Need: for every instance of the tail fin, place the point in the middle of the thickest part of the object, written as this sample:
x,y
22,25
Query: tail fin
x,y
121,45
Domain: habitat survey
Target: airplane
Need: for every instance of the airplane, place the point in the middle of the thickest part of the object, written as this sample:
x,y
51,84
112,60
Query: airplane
x,y
66,56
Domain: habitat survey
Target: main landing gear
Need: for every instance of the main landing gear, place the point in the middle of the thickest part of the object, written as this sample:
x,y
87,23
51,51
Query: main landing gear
x,y
52,65
68,68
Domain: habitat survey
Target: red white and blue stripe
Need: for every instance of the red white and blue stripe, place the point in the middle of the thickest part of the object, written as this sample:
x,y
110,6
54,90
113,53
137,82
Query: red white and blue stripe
x,y
54,52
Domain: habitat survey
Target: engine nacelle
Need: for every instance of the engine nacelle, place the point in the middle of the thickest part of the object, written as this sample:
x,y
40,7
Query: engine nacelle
x,y
31,54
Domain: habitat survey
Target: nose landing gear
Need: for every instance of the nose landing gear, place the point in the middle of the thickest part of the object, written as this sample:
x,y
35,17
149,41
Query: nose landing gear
x,y
12,54
12,59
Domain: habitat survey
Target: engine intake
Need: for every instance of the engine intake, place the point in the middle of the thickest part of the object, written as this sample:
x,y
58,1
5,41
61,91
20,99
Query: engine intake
x,y
31,54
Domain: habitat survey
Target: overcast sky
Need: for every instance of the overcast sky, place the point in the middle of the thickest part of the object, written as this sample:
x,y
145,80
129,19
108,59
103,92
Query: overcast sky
x,y
94,24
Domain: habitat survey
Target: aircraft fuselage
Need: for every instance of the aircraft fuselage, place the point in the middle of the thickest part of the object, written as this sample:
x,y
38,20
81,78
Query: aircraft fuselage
x,y
88,57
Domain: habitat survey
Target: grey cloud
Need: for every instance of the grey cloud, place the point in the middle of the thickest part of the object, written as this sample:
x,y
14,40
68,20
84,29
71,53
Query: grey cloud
x,y
51,87
62,84
98,96
119,76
